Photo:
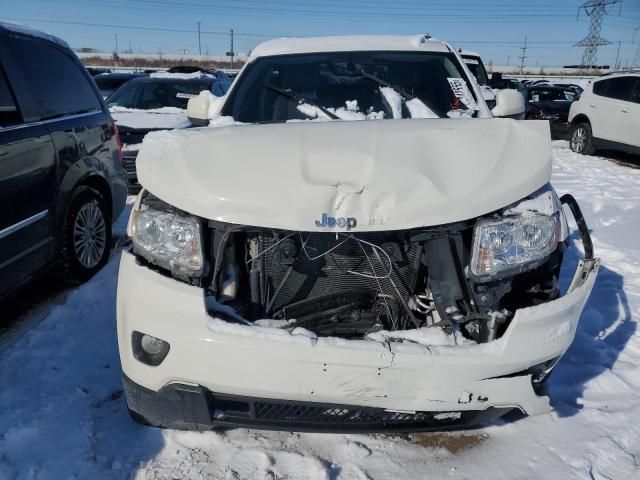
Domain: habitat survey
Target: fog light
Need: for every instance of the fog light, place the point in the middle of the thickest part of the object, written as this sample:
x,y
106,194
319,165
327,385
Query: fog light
x,y
151,345
149,349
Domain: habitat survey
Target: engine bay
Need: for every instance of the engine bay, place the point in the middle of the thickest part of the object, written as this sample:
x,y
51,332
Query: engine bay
x,y
349,285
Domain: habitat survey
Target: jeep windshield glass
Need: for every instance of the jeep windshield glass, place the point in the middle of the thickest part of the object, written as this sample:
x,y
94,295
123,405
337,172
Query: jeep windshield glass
x,y
147,94
301,101
352,86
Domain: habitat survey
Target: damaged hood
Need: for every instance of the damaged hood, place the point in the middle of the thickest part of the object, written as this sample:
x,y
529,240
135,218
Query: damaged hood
x,y
380,175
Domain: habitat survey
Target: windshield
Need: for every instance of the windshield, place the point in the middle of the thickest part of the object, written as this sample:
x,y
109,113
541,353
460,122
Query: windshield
x,y
148,95
351,86
548,95
477,68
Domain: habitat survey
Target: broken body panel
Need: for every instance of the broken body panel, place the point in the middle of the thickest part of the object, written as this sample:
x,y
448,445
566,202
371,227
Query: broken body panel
x,y
366,275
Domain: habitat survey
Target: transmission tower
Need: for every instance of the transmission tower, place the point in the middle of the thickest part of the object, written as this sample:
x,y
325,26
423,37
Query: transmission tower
x,y
523,56
596,10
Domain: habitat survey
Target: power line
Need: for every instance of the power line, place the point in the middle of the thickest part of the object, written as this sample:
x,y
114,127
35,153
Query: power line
x,y
536,44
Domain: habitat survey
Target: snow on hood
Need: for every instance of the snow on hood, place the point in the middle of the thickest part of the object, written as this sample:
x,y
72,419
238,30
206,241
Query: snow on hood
x,y
386,174
165,118
181,76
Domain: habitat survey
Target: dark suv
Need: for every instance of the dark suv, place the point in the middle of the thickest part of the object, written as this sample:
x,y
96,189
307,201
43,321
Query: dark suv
x,y
61,177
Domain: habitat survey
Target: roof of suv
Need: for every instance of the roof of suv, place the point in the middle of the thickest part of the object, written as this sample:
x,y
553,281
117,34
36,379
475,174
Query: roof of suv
x,y
283,46
22,30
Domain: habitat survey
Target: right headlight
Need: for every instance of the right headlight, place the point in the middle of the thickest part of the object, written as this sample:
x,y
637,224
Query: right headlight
x,y
513,243
167,237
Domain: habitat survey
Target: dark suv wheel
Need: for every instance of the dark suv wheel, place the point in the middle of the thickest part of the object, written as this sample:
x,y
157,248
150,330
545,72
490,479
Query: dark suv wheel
x,y
87,235
581,139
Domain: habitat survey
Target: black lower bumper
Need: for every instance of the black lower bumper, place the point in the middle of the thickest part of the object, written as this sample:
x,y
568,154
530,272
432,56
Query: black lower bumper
x,y
187,407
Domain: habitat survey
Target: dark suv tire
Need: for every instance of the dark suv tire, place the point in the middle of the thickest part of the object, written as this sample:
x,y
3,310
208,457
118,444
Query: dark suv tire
x,y
581,139
86,235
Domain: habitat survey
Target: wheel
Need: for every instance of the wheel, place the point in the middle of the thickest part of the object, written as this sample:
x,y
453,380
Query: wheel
x,y
86,235
581,139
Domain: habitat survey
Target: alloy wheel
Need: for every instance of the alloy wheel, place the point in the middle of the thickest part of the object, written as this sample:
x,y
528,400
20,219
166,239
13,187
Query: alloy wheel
x,y
89,235
578,139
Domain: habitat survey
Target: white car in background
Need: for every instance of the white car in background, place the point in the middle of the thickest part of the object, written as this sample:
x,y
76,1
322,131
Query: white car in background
x,y
474,63
607,115
361,247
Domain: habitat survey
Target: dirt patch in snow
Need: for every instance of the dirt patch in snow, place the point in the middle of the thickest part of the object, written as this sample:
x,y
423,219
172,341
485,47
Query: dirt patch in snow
x,y
455,443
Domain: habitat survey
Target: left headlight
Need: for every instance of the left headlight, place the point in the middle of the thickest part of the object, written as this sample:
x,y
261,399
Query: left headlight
x,y
513,243
167,237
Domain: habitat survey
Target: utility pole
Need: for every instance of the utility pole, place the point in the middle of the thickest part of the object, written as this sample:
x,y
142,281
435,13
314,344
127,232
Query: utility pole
x,y
130,49
508,58
596,10
232,52
116,37
199,42
523,55
636,60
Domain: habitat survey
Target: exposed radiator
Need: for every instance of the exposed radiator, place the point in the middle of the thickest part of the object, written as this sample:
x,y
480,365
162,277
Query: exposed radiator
x,y
293,274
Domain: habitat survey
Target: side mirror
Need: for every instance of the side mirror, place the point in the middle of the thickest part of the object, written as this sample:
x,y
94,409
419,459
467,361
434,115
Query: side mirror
x,y
509,103
198,109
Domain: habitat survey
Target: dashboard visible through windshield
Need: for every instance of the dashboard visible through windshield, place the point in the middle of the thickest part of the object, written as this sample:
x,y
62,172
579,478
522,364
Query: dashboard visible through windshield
x,y
148,95
351,86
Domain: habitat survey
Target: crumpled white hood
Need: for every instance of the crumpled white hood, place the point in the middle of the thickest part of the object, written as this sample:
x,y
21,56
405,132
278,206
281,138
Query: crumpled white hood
x,y
387,174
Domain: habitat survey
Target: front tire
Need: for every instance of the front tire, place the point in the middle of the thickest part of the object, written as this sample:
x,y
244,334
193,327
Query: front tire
x,y
581,139
86,235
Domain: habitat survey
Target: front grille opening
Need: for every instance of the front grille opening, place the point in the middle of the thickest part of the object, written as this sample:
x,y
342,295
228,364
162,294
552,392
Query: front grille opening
x,y
352,284
279,412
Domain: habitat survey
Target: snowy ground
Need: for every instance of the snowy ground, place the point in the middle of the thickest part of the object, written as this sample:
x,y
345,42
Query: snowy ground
x,y
63,414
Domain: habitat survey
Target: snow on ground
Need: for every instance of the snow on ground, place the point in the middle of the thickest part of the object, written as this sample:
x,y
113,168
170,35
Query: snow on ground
x,y
63,414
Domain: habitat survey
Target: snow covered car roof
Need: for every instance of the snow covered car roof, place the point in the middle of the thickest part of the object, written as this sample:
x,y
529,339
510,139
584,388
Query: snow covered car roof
x,y
20,29
349,43
634,73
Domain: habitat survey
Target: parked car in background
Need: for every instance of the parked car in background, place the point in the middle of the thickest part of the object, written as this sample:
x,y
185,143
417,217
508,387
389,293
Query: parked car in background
x,y
157,102
513,84
497,82
93,71
474,63
575,90
607,115
61,179
109,82
545,102
370,250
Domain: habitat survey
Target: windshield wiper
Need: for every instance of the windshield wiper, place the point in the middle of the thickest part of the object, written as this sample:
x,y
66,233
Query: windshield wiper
x,y
290,94
406,96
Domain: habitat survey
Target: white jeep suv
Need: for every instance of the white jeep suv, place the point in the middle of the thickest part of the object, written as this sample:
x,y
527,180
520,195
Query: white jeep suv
x,y
358,244
607,115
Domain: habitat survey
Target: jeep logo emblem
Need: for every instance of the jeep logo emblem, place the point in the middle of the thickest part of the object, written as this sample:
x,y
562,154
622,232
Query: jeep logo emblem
x,y
340,222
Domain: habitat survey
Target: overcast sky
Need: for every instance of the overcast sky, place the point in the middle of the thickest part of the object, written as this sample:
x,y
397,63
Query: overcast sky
x,y
495,28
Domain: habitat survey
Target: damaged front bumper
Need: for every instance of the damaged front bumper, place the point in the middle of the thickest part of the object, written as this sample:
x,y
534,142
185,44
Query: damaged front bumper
x,y
218,373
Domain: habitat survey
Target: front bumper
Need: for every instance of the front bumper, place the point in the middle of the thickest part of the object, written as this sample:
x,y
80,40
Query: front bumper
x,y
220,360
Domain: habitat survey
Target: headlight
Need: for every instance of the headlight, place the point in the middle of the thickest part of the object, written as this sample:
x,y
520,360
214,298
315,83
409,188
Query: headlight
x,y
167,237
513,243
